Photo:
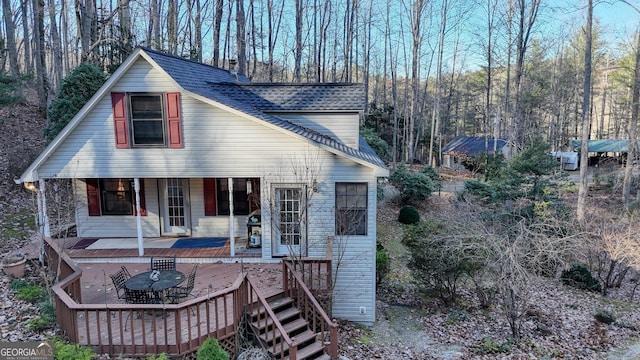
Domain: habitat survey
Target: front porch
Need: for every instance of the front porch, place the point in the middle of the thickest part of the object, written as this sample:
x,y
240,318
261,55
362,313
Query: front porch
x,y
225,294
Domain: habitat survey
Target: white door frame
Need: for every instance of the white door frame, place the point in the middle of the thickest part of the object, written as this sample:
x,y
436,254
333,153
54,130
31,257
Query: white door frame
x,y
175,214
289,220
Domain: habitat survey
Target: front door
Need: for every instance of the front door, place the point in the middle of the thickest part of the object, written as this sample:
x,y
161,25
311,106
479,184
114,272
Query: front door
x,y
289,216
175,207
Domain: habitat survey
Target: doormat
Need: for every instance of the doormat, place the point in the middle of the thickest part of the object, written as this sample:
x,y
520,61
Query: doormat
x,y
189,243
82,244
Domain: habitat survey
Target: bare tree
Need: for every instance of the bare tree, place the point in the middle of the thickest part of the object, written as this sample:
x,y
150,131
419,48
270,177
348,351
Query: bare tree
x,y
216,32
11,44
241,37
584,151
298,51
56,48
633,127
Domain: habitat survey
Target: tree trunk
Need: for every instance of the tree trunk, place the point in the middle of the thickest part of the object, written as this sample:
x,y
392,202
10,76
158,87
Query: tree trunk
x,y
298,52
216,32
41,71
172,27
584,151
241,37
633,127
24,9
56,55
126,36
14,67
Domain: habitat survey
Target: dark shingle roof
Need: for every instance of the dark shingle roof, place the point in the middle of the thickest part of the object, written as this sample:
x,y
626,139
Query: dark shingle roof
x,y
470,145
276,97
259,99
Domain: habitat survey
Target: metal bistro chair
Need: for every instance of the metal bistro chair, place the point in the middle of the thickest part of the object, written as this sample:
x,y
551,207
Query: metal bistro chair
x,y
178,293
138,297
163,263
119,278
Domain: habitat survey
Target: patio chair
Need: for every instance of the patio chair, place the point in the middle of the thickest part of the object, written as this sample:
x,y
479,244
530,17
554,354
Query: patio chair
x,y
163,263
126,272
178,293
119,278
138,297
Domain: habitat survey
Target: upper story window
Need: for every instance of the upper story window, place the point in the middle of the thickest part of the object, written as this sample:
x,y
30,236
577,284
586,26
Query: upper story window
x,y
148,125
147,120
351,208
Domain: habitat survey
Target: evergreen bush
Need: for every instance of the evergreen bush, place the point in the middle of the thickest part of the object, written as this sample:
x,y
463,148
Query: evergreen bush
x,y
211,350
605,317
580,277
383,264
409,215
415,186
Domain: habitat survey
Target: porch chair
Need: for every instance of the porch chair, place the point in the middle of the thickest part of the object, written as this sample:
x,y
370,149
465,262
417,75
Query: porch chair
x,y
126,272
119,278
178,293
163,263
138,297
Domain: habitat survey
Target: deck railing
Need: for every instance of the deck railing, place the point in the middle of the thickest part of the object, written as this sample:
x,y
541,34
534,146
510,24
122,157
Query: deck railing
x,y
316,272
258,308
142,329
178,329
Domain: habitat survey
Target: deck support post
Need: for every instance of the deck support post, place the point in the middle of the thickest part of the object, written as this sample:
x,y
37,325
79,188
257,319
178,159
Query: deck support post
x,y
136,187
232,237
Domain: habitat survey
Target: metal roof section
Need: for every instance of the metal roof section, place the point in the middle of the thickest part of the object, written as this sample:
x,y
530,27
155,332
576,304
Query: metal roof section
x,y
471,145
603,145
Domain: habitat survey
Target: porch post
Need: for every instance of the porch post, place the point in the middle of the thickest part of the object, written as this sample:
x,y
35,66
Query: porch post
x,y
232,237
136,187
45,218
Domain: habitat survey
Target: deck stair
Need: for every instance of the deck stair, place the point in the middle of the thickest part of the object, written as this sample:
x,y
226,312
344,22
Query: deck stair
x,y
310,344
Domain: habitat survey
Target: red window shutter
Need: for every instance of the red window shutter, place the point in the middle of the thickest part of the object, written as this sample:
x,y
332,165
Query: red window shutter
x,y
119,104
143,203
173,120
210,204
93,197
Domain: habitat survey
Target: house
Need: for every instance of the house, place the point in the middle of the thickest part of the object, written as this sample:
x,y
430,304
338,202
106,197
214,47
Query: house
x,y
462,147
168,147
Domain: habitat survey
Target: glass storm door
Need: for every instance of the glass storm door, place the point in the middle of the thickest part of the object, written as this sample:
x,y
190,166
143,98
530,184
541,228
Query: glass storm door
x,y
175,217
289,215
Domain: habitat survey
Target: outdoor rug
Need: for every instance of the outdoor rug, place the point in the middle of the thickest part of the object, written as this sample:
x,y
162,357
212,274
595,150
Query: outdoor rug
x,y
84,243
131,243
209,242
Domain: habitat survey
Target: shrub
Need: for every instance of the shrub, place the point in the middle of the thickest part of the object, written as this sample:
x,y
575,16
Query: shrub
x,y
382,263
45,320
414,186
211,350
162,356
409,215
63,350
76,89
440,261
580,277
30,293
489,346
605,317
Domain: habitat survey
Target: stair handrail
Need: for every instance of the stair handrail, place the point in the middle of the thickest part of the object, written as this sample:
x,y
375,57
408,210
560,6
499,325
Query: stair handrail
x,y
333,326
293,345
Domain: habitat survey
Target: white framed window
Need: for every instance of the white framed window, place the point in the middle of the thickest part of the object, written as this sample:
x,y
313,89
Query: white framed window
x,y
351,208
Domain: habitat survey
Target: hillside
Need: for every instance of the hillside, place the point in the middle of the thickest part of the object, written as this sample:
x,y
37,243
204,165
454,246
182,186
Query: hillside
x,y
22,140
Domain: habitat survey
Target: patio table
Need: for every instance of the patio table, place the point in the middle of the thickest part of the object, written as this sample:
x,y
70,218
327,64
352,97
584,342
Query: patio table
x,y
166,280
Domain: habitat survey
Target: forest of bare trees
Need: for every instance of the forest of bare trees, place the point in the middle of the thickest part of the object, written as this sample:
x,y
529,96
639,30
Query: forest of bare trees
x,y
432,70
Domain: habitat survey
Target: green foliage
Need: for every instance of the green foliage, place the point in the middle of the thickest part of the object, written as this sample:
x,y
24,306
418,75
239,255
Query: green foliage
x,y
63,350
409,215
29,292
211,350
383,264
76,89
580,277
605,317
162,356
438,260
45,320
489,346
18,284
8,86
415,186
377,144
